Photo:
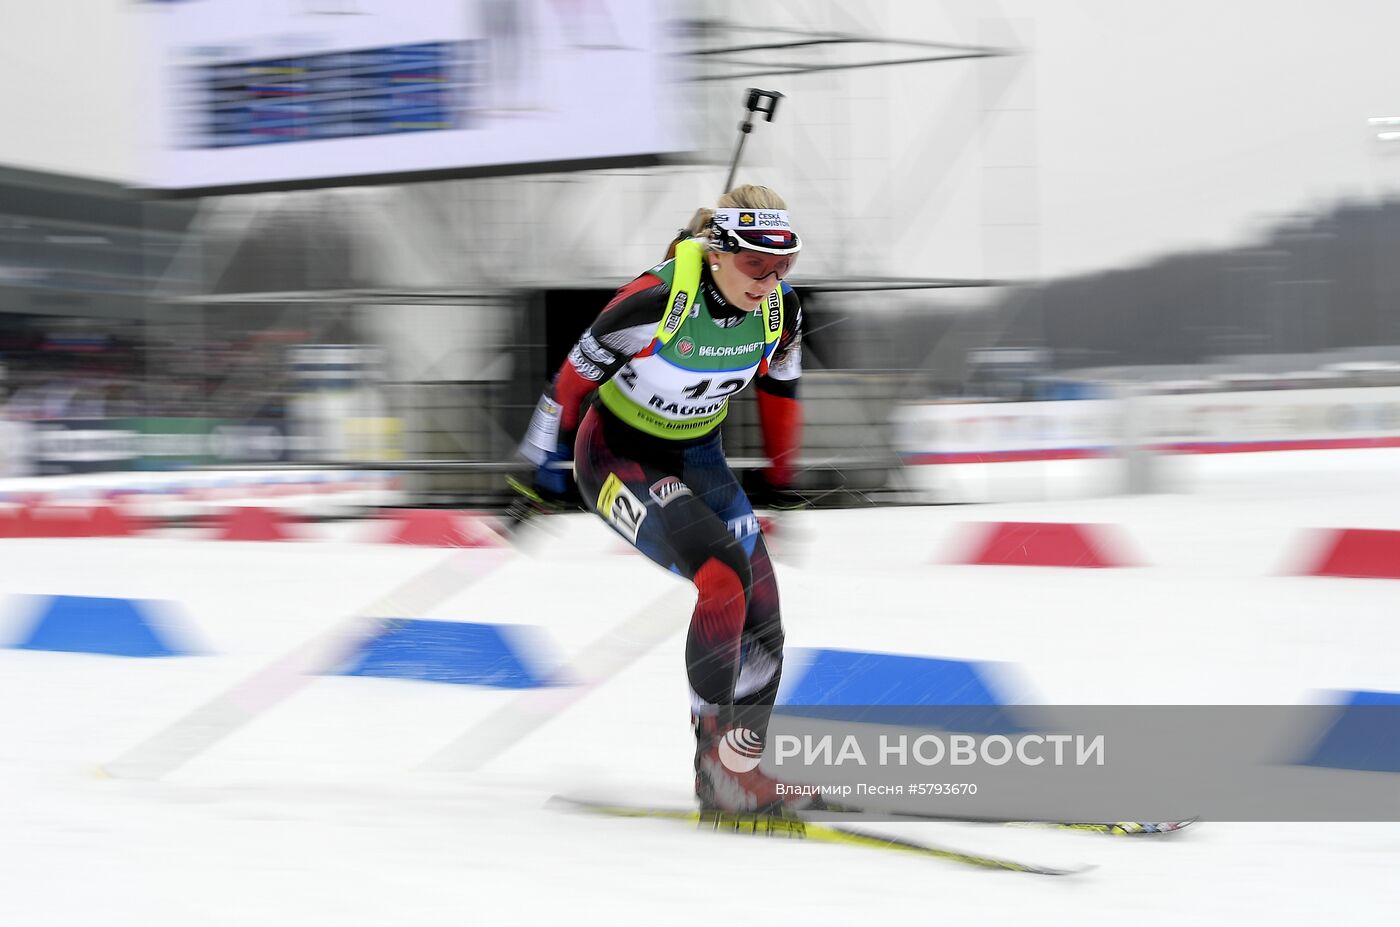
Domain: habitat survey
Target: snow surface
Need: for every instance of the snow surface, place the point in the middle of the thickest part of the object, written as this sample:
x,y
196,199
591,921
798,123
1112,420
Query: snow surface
x,y
322,811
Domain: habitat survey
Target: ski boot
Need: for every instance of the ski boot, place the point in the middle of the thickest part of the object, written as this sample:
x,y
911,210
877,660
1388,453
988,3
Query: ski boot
x,y
728,777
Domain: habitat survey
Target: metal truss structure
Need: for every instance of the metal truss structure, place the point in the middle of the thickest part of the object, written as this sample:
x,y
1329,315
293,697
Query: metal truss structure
x,y
877,150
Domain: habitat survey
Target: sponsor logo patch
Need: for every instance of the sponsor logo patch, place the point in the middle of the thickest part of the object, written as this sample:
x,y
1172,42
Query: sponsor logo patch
x,y
685,346
746,218
729,350
668,489
595,351
744,526
586,368
673,321
681,409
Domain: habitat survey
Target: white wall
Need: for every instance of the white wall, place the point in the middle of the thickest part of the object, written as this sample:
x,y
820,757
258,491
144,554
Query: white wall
x,y
71,104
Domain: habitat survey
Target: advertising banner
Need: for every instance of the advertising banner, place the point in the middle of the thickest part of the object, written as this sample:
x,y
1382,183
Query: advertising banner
x,y
59,446
294,93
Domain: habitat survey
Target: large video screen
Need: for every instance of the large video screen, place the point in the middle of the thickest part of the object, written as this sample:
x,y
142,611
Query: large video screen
x,y
270,94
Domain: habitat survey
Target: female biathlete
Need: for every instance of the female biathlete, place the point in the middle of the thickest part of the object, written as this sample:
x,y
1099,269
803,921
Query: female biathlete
x,y
662,360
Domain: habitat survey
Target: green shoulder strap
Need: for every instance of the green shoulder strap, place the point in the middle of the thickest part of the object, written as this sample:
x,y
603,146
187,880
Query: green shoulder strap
x,y
774,329
685,283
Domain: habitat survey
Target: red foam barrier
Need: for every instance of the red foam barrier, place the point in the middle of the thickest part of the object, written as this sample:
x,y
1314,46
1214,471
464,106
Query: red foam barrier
x,y
30,521
17,523
110,521
1360,552
438,528
1054,544
51,522
250,523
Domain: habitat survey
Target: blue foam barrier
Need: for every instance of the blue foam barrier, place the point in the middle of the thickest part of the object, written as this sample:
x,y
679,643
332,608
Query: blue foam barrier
x,y
1365,734
86,624
889,688
455,652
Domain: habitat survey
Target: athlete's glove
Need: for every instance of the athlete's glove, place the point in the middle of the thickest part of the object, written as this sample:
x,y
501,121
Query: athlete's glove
x,y
553,479
547,449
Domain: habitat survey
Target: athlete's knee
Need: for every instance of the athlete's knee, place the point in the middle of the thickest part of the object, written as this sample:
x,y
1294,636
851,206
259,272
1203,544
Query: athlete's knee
x,y
722,604
731,553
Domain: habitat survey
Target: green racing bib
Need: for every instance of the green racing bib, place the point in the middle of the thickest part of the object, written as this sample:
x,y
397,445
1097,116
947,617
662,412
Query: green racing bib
x,y
679,386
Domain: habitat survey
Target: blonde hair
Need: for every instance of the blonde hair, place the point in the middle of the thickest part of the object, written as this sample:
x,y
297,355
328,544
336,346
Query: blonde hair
x,y
744,196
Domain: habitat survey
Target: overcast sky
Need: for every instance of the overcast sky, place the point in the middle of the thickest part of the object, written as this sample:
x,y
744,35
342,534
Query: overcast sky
x,y
1165,125
1157,126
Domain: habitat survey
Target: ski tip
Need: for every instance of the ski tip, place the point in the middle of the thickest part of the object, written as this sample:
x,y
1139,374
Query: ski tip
x,y
1074,870
1118,828
1035,869
565,803
1143,829
1070,870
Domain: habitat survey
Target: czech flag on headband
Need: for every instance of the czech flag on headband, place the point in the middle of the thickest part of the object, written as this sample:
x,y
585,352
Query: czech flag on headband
x,y
768,238
767,230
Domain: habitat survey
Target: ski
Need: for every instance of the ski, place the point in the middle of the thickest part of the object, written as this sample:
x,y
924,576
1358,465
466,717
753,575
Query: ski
x,y
798,828
526,507
1113,829
1106,828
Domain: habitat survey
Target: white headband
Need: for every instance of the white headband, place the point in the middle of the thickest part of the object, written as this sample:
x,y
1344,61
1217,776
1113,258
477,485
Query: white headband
x,y
752,219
